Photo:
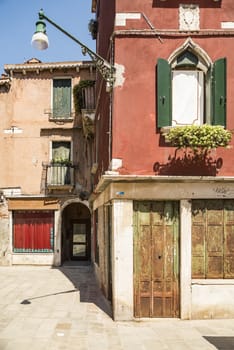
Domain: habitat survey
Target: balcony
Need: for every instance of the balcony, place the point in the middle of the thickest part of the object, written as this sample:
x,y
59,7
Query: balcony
x,y
60,176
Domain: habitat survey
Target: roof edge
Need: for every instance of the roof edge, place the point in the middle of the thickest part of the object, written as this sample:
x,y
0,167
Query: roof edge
x,y
47,65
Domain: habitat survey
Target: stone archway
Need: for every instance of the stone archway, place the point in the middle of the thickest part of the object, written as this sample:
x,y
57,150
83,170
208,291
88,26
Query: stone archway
x,y
76,232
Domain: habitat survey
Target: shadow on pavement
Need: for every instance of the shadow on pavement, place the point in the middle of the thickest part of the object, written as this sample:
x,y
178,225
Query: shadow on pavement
x,y
28,301
221,343
83,278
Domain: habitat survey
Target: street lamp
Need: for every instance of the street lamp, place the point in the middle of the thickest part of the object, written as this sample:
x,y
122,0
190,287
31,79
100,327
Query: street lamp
x,y
40,41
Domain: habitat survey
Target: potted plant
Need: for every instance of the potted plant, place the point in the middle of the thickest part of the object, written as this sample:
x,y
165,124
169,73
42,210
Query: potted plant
x,y
201,139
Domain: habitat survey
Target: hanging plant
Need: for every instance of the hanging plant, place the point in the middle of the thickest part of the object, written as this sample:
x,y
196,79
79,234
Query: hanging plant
x,y
78,97
93,28
201,139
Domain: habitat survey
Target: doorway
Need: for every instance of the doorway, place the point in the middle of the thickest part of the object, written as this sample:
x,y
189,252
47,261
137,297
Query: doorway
x,y
80,240
76,233
156,259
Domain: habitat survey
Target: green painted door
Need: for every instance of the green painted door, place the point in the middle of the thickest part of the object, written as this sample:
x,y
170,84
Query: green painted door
x,y
156,259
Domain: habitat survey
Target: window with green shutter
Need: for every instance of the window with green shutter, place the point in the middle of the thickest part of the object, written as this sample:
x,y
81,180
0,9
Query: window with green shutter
x,y
190,93
61,98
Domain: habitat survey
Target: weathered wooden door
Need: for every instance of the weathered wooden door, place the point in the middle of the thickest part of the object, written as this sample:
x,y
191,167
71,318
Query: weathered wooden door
x,y
156,259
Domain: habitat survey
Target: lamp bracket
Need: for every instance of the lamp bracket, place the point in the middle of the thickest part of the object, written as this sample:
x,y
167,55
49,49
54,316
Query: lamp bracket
x,y
106,69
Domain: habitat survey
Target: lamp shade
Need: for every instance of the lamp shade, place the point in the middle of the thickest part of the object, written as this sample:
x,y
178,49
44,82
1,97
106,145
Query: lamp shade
x,y
40,41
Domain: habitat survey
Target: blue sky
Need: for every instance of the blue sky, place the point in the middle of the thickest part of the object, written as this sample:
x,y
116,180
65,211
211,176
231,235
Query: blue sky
x,y
18,19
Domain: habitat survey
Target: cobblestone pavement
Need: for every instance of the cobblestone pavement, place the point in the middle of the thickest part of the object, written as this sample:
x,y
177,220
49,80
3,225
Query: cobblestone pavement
x,y
43,308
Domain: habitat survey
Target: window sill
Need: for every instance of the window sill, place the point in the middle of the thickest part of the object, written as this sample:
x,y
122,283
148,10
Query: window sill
x,y
66,188
61,120
25,252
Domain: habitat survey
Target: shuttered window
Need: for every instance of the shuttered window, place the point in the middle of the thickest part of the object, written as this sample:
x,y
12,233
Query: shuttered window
x,y
212,104
33,231
164,106
62,98
213,239
219,92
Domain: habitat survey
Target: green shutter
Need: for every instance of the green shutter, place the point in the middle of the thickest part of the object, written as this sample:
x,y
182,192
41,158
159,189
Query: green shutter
x,y
164,114
62,98
208,104
198,239
219,92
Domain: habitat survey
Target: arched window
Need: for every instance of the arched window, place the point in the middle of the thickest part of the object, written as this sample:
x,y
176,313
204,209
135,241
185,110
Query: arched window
x,y
191,90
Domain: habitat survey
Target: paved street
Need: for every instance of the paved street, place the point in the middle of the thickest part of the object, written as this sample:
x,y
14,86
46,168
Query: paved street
x,y
44,308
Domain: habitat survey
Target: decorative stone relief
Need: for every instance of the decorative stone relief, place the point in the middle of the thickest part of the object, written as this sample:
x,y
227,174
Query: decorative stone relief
x,y
189,17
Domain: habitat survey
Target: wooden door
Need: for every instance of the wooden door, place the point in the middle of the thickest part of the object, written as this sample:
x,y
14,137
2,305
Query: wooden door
x,y
156,259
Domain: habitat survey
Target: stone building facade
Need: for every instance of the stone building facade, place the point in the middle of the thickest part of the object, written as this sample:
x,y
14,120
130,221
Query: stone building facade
x,y
46,146
164,217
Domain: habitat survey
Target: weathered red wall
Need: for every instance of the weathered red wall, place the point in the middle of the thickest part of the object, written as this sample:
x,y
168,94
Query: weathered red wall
x,y
136,140
105,17
164,14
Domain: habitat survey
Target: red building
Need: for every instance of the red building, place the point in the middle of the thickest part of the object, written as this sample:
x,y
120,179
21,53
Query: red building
x,y
164,219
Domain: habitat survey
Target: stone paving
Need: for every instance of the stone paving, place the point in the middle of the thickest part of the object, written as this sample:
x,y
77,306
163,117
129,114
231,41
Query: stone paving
x,y
43,308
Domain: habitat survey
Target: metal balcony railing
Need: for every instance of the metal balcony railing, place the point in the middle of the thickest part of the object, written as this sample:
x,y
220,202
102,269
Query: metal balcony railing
x,y
60,175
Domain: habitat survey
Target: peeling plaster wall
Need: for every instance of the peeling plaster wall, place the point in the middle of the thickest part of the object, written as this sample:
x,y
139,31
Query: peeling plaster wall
x,y
27,132
5,247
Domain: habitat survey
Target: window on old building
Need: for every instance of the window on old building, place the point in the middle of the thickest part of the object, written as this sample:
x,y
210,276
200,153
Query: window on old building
x,y
61,151
60,171
213,239
191,91
62,98
33,231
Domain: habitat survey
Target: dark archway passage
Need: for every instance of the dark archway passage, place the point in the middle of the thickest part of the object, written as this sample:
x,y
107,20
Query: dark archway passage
x,y
76,232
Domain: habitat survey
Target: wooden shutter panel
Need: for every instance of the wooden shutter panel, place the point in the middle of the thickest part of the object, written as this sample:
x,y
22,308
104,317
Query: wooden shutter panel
x,y
198,239
207,239
164,114
208,94
229,239
62,98
214,239
219,92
